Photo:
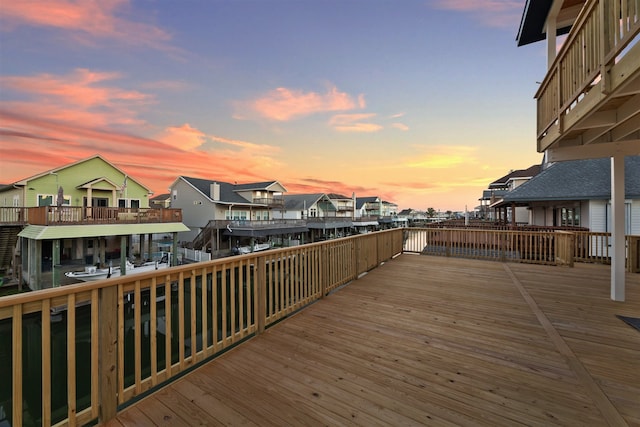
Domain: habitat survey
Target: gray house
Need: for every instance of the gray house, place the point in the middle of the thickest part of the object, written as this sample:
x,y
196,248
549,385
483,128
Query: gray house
x,y
578,193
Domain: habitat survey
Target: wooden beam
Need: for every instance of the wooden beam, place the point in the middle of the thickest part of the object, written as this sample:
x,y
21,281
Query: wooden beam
x,y
594,151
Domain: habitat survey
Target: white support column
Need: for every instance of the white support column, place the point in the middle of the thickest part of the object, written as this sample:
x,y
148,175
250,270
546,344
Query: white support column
x,y
617,228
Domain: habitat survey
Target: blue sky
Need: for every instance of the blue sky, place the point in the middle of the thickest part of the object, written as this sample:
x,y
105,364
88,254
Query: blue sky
x,y
422,103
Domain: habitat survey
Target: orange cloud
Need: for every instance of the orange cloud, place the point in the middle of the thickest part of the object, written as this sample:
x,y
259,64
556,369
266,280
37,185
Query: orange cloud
x,y
183,137
97,19
155,163
353,123
284,104
493,13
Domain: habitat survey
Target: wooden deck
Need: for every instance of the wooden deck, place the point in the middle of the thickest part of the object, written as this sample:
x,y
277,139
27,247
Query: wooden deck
x,y
428,341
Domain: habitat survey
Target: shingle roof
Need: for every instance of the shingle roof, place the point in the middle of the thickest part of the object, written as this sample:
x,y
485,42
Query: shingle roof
x,y
254,185
227,193
577,180
298,202
530,172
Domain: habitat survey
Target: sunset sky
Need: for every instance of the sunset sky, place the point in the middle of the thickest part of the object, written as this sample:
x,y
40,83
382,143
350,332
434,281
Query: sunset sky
x,y
422,103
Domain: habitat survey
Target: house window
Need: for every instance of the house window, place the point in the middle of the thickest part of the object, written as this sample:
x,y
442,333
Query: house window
x,y
312,212
51,200
129,203
570,217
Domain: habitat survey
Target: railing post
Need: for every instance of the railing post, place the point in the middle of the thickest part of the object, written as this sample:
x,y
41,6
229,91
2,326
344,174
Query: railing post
x,y
107,375
448,236
261,295
564,248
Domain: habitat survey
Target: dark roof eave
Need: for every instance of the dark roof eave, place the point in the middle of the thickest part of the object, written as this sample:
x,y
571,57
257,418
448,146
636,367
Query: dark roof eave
x,y
531,28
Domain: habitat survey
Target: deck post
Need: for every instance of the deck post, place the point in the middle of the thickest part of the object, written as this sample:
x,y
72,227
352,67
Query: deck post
x,y
617,228
107,375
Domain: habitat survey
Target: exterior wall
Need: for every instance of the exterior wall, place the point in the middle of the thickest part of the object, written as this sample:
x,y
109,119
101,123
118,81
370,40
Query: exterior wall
x,y
196,209
69,178
12,197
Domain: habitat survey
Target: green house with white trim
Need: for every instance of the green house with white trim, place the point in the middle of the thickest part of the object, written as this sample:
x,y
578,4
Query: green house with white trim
x,y
85,213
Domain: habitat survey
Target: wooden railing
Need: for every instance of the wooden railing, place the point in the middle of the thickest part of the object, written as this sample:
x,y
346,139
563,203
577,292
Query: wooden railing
x,y
600,35
74,354
556,247
78,215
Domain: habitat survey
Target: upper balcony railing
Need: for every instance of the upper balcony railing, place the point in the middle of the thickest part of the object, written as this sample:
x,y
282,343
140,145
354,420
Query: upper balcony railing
x,y
599,39
272,202
78,215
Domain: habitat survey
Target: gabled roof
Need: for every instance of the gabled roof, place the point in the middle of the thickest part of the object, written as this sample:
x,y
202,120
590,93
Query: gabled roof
x,y
160,197
24,181
530,172
298,202
360,201
577,180
227,191
252,186
532,24
338,196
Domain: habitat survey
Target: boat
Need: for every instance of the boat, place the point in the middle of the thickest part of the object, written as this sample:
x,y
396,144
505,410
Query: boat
x,y
91,273
241,250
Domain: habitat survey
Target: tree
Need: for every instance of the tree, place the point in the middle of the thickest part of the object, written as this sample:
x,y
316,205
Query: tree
x,y
431,212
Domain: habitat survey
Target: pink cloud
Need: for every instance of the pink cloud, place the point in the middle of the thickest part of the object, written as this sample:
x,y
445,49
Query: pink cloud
x,y
97,19
354,123
493,13
80,96
284,104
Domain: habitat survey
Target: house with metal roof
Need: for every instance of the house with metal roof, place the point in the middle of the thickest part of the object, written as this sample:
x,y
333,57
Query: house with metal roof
x,y
86,212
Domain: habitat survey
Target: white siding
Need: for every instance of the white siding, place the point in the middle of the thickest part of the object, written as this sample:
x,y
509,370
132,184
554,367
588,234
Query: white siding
x,y
635,217
597,215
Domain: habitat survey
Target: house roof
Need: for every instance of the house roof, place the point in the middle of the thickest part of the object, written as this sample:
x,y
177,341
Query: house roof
x,y
258,186
360,201
298,202
160,197
24,181
532,24
227,191
577,180
530,172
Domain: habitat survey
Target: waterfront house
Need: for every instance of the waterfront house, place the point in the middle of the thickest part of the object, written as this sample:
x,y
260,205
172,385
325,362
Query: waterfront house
x,y
588,104
373,213
222,216
320,214
345,206
498,188
86,212
578,193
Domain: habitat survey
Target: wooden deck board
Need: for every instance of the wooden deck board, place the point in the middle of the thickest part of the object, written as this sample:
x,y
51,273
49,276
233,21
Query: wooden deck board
x,y
428,341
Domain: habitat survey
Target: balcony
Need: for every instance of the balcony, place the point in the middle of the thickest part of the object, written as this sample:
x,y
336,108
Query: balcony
x,y
591,93
272,202
417,340
77,215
